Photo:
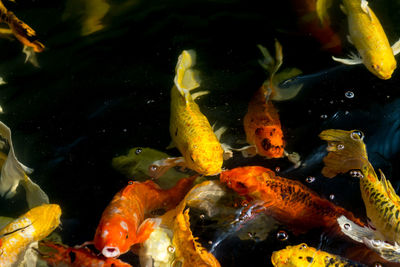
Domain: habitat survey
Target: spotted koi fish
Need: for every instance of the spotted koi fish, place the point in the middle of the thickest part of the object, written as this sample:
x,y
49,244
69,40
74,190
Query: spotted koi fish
x,y
60,255
347,152
190,130
369,38
288,201
123,222
25,34
303,255
261,123
33,226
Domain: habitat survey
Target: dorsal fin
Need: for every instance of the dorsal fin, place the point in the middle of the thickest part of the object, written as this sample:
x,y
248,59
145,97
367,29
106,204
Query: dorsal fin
x,y
387,186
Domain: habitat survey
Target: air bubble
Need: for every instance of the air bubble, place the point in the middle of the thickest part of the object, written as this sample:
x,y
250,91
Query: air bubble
x,y
356,174
324,116
210,242
346,226
202,216
278,169
378,264
171,249
282,235
138,151
349,94
340,146
357,135
310,179
331,196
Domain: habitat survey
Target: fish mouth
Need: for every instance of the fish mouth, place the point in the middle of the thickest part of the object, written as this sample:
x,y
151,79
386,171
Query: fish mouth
x,y
110,252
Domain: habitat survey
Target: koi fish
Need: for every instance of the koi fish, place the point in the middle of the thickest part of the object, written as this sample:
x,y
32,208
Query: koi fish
x,y
60,255
288,201
25,34
190,130
137,162
363,254
369,38
261,123
123,222
31,227
347,152
313,23
303,255
177,237
14,172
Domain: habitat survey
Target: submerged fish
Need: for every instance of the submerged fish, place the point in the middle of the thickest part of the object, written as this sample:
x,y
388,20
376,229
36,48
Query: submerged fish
x,y
303,255
288,201
33,226
136,164
123,222
261,123
347,152
190,130
25,34
369,38
14,172
174,233
60,255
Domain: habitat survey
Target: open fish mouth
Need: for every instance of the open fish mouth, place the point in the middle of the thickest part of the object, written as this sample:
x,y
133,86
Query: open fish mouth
x,y
110,252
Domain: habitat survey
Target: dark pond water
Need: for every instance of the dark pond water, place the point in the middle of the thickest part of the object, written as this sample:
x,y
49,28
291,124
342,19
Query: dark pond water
x,y
95,96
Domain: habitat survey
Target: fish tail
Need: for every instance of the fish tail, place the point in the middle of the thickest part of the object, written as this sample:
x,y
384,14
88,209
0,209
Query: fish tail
x,y
186,78
175,194
35,196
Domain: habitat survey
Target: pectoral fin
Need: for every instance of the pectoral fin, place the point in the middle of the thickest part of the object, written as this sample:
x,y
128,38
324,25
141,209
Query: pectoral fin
x,y
352,60
293,157
322,7
198,94
396,47
146,228
30,56
35,196
247,151
354,231
159,167
365,8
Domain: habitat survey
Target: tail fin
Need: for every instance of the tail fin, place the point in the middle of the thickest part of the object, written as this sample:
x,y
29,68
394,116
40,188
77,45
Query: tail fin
x,y
35,196
185,77
175,194
274,92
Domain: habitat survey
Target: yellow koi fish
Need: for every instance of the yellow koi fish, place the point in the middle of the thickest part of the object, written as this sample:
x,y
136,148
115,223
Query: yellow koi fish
x,y
190,130
31,227
369,38
303,255
14,172
347,152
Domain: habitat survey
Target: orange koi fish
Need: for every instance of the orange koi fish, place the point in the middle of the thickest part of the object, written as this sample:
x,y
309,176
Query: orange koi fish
x,y
25,34
61,255
31,227
322,31
261,123
123,222
288,201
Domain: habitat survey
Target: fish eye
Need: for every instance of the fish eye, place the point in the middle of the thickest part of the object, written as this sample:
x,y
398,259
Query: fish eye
x,y
303,246
126,236
357,135
266,144
138,151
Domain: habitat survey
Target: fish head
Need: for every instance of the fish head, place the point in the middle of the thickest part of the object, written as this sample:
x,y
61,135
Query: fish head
x,y
246,180
269,141
300,255
382,66
206,159
112,236
45,219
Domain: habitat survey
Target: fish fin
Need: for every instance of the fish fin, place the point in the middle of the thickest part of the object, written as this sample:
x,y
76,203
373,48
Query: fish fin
x,y
365,8
267,62
396,47
159,167
281,94
349,39
146,228
352,60
343,8
293,157
30,55
346,151
354,231
186,78
322,7
386,250
221,130
35,196
171,145
227,151
198,94
247,151
387,186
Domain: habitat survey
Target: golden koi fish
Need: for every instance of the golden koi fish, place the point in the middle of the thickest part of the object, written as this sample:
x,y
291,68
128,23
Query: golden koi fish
x,y
33,226
369,38
303,255
190,130
347,152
